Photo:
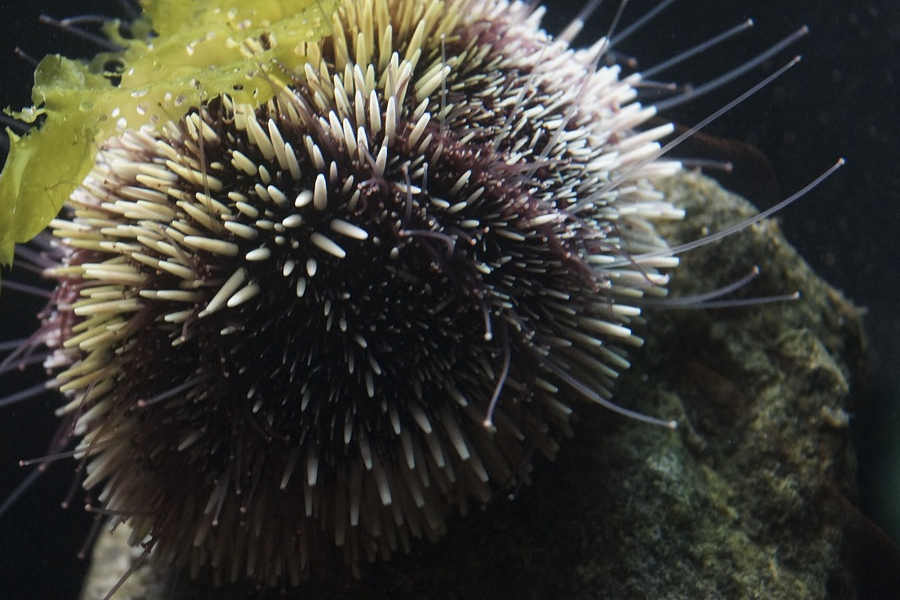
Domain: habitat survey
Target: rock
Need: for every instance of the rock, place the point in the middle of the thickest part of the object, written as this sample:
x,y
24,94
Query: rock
x,y
746,499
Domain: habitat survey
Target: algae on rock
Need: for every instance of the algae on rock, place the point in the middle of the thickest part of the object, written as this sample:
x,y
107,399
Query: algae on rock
x,y
743,500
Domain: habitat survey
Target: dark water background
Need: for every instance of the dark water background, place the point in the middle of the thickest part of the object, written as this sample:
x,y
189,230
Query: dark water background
x,y
843,99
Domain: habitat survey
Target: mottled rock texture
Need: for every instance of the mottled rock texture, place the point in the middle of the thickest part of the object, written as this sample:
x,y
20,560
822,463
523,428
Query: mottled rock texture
x,y
746,499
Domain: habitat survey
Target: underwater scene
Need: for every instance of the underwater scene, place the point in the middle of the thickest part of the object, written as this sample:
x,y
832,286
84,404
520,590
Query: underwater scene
x,y
424,299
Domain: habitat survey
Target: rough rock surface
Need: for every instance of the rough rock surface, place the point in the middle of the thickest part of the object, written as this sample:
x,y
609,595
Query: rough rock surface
x,y
744,500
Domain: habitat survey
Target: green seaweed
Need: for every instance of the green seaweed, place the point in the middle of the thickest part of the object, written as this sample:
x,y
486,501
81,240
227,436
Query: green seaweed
x,y
193,54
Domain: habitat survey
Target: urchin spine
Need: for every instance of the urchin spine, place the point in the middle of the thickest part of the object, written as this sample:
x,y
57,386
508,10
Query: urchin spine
x,y
364,303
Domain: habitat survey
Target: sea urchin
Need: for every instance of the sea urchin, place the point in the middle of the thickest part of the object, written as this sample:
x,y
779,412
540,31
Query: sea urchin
x,y
324,319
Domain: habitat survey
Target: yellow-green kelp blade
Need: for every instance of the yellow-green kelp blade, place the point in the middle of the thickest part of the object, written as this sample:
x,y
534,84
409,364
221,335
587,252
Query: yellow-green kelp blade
x,y
199,49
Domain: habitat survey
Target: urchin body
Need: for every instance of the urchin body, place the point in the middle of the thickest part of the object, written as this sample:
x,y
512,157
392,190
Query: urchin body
x,y
320,324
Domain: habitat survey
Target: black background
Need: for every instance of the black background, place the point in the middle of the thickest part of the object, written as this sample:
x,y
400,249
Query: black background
x,y
841,100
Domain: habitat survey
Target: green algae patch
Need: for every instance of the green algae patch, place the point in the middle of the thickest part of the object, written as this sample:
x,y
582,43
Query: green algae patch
x,y
45,165
198,49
